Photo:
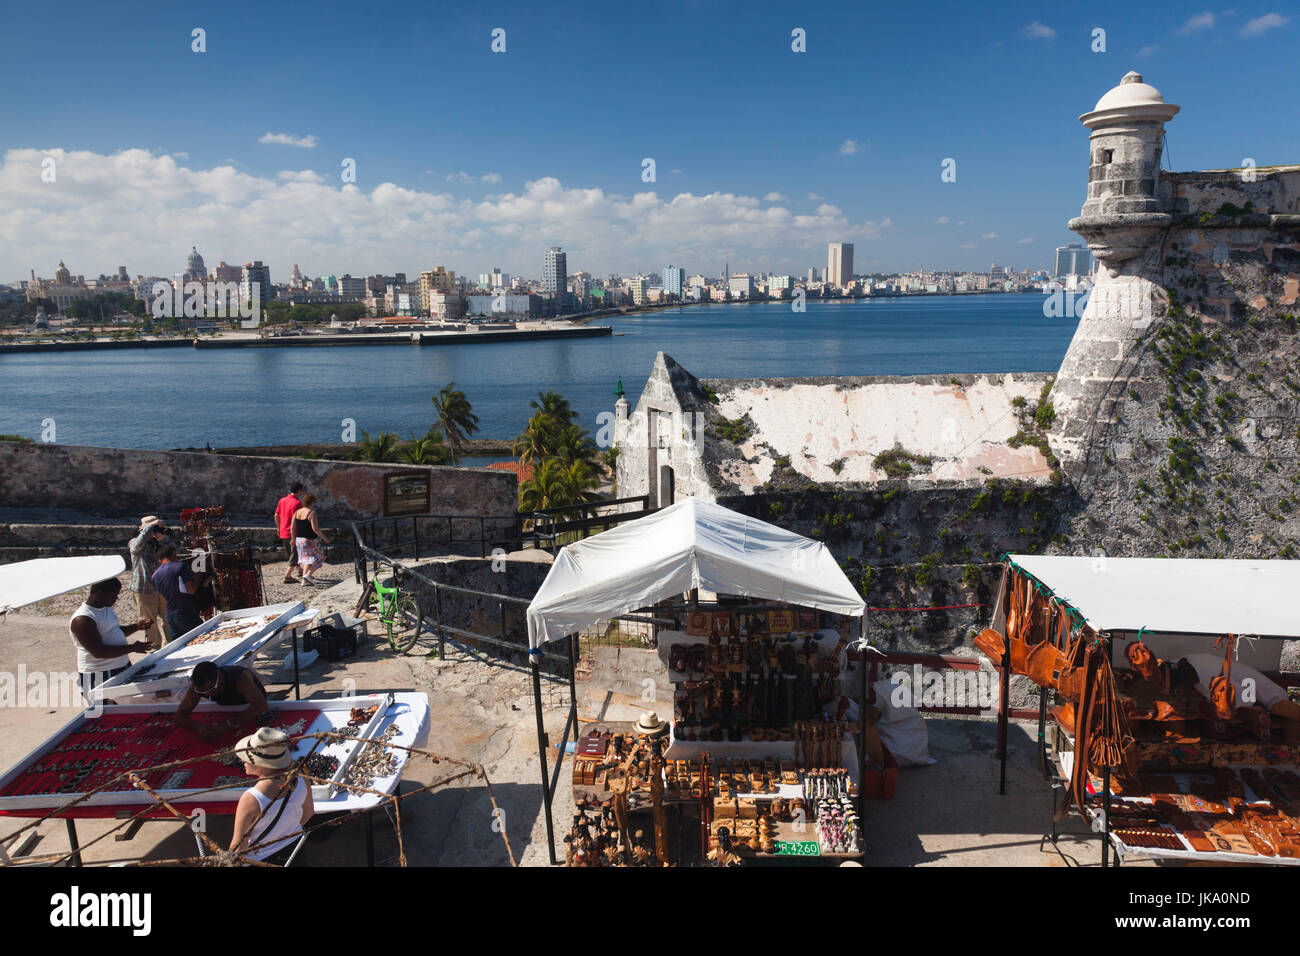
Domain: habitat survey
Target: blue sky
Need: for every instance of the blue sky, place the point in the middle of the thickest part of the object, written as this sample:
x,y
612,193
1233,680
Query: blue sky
x,y
470,158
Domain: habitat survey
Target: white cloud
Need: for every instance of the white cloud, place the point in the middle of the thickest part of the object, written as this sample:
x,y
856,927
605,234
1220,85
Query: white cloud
x,y
970,245
288,139
1038,31
1202,21
1263,24
1147,51
961,222
1026,240
181,155
460,177
815,196
490,178
849,147
146,210
773,197
942,221
989,235
675,172
300,176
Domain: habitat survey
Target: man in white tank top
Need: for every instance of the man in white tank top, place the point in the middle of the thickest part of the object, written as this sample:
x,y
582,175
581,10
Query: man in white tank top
x,y
102,648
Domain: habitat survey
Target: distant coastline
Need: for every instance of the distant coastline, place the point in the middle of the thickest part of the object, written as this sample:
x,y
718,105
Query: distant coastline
x,y
235,341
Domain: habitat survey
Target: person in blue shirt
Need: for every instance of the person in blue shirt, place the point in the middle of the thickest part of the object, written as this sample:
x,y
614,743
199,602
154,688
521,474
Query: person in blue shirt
x,y
177,583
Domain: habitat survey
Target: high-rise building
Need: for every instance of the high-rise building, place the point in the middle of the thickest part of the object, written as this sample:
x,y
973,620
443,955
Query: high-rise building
x,y
351,286
636,288
812,273
439,280
555,272
673,280
1072,260
741,284
255,274
839,263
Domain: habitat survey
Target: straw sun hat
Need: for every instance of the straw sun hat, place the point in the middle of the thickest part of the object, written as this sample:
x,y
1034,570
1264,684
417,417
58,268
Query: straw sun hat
x,y
267,748
650,724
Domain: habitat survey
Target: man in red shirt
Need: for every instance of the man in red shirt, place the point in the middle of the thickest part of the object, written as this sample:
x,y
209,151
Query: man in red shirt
x,y
284,510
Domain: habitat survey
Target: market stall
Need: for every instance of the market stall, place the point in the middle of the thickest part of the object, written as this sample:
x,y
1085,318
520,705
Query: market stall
x,y
1171,724
233,574
758,738
80,770
231,637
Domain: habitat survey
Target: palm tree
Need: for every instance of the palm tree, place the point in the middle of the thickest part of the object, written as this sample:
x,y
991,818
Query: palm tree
x,y
558,485
553,405
573,444
383,447
456,418
537,443
429,450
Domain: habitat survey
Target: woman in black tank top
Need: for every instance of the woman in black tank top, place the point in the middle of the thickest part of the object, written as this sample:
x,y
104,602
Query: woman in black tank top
x,y
309,538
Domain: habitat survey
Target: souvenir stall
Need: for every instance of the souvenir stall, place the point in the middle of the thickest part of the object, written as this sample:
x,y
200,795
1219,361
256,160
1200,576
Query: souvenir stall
x,y
1171,725
80,771
235,574
760,736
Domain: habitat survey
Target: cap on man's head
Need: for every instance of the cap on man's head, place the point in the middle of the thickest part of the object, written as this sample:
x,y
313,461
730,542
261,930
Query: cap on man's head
x,y
148,520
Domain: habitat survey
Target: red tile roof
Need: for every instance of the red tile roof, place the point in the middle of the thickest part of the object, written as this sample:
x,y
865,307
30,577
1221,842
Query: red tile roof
x,y
523,472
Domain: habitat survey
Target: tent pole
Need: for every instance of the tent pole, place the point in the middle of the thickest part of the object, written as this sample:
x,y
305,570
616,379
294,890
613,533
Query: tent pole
x,y
535,658
1105,792
1004,717
862,718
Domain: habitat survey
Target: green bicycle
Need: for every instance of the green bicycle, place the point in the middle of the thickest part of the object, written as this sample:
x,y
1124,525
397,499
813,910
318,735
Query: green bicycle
x,y
399,613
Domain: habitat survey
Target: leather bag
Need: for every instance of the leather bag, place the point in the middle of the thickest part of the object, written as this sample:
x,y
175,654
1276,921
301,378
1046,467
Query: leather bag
x,y
1044,661
1222,692
990,642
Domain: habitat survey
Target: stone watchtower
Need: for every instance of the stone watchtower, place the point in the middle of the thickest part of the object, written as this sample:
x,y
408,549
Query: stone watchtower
x,y
1126,214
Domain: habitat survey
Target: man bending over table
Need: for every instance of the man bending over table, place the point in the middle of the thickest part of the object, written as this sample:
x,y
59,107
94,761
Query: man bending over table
x,y
228,686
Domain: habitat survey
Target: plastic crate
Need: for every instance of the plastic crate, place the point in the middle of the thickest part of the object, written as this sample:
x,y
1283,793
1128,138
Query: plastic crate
x,y
335,637
880,783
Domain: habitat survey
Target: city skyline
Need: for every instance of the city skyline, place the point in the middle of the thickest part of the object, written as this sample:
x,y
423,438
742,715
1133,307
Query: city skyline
x,y
290,177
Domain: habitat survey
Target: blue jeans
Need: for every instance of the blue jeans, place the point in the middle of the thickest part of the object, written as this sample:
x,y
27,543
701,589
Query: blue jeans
x,y
182,621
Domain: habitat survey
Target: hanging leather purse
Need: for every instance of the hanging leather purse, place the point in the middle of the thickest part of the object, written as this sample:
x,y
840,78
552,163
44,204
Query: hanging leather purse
x,y
1069,680
990,642
1044,660
1222,693
1030,611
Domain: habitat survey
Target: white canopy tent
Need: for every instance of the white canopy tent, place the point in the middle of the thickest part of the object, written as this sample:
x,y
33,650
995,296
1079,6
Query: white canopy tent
x,y
26,582
1175,595
691,544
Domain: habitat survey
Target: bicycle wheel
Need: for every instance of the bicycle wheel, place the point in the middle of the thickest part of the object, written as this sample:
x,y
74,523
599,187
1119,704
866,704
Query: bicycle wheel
x,y
404,629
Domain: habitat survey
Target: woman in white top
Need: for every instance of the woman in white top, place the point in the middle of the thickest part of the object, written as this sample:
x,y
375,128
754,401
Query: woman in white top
x,y
102,648
272,812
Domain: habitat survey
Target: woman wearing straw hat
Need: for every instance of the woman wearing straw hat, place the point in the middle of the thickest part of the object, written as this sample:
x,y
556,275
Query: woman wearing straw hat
x,y
272,812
